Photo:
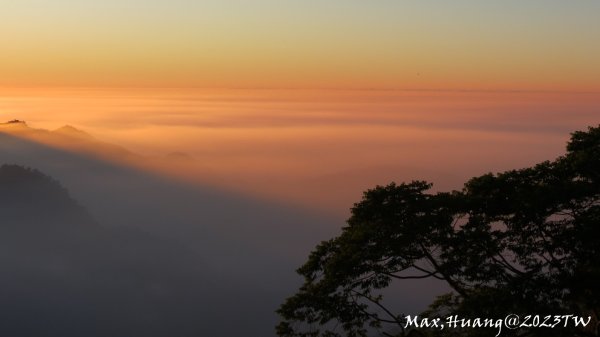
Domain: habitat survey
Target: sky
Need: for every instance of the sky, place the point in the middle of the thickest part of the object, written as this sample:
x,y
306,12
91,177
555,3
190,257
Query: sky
x,y
269,118
465,45
273,97
314,148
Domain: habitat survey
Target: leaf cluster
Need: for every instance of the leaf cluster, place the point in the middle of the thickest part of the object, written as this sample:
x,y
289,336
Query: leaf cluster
x,y
522,241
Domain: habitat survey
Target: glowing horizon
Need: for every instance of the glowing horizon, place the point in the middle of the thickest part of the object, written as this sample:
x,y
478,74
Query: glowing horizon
x,y
294,90
211,144
288,144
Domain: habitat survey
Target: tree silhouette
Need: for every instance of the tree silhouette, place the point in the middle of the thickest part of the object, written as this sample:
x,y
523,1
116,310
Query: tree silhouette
x,y
520,242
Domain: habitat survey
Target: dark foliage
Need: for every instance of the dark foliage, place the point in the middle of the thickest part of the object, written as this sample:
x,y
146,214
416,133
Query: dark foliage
x,y
524,241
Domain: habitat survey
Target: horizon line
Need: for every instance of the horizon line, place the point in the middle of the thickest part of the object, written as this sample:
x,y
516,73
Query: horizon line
x,y
300,88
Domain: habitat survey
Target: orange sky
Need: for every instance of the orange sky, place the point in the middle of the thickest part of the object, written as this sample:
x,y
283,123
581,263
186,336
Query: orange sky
x,y
463,44
316,100
316,148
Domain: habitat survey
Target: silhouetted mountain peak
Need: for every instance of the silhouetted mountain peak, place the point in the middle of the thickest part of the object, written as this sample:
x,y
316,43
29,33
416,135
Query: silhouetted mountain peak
x,y
70,131
179,156
66,137
15,177
16,121
14,124
27,194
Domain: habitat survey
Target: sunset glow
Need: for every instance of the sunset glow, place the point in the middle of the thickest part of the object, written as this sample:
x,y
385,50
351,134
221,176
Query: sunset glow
x,y
298,168
540,45
315,148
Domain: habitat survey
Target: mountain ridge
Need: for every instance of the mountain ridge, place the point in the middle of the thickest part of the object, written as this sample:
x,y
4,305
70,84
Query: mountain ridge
x,y
66,137
66,275
245,248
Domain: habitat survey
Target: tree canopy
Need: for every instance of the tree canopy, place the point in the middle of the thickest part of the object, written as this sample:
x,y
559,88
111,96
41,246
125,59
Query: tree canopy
x,y
524,241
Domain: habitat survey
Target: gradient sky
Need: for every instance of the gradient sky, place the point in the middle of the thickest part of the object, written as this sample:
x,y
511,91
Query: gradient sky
x,y
305,103
315,148
439,90
506,45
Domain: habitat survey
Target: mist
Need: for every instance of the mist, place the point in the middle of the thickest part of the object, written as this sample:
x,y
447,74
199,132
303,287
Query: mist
x,y
318,149
225,261
191,221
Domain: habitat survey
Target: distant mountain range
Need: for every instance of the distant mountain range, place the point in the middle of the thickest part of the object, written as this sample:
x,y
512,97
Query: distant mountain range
x,y
66,137
63,274
126,252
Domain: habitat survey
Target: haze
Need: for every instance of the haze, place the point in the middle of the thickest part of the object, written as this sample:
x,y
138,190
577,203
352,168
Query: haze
x,y
466,44
319,149
208,146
